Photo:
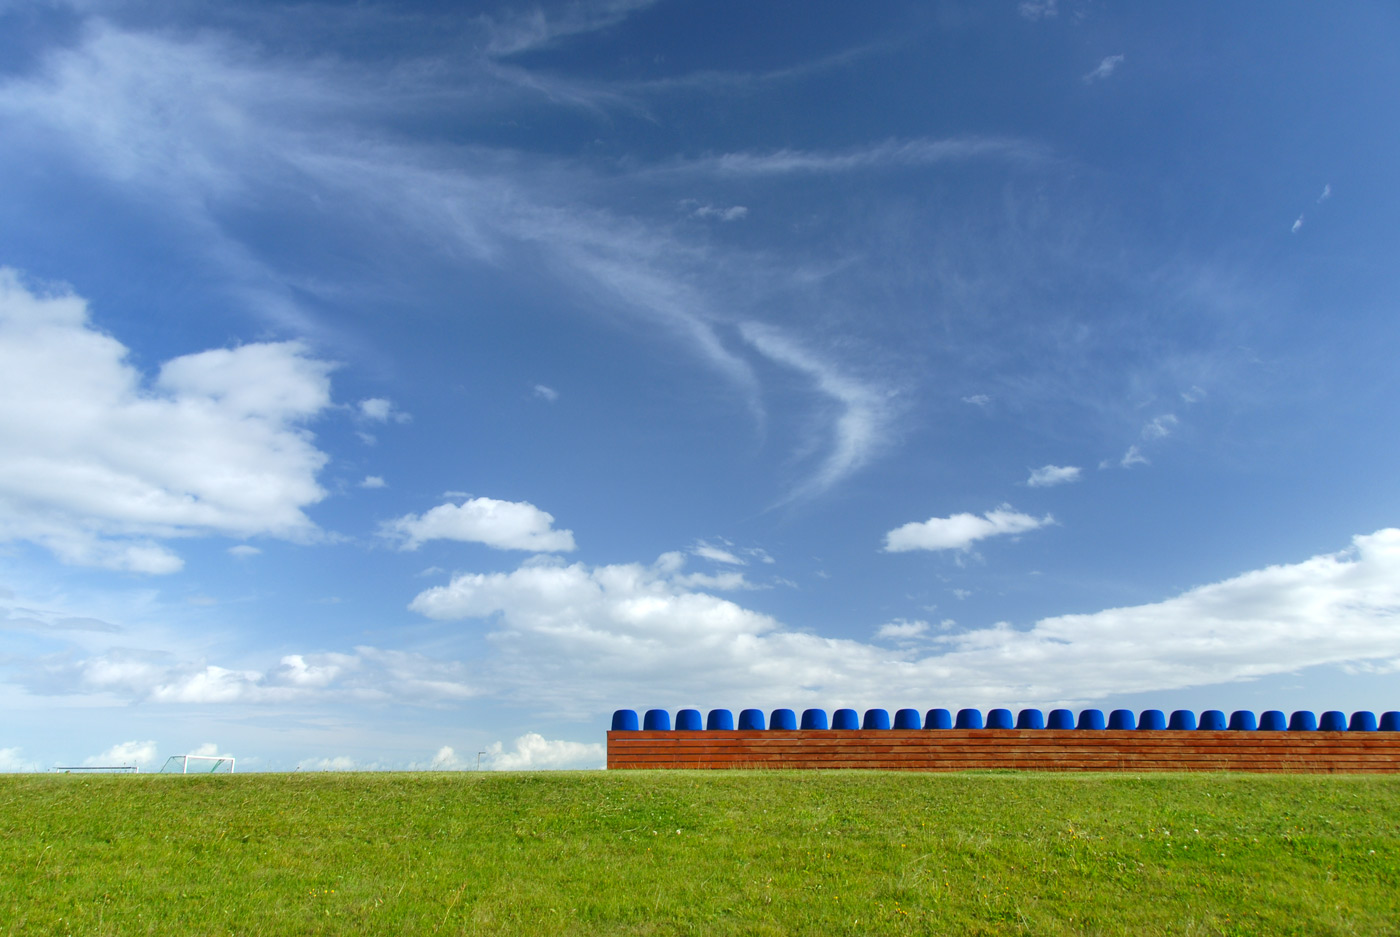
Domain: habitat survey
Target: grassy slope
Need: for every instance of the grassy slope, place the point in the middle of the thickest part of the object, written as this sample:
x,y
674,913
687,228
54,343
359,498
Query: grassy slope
x,y
704,852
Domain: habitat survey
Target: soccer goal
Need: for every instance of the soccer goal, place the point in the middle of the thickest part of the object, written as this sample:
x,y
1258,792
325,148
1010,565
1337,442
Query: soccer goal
x,y
198,764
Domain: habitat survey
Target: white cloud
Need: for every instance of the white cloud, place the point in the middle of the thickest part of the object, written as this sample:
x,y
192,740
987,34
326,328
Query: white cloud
x,y
1193,395
718,554
1038,9
1104,69
859,426
209,750
546,393
534,752
243,550
894,153
141,754
978,400
900,629
99,463
1133,457
1326,193
368,674
960,531
1297,225
579,639
1160,427
1049,475
381,410
373,481
732,213
504,525
12,762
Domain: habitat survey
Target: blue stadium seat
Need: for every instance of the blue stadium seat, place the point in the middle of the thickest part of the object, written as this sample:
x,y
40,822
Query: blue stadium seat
x,y
1182,720
1332,721
1091,719
1390,721
1152,720
751,720
1000,719
624,720
1363,721
689,720
1121,720
719,720
845,720
1242,720
876,720
1273,721
782,720
1212,720
814,719
1060,719
1030,719
938,719
656,720
968,719
908,719
1302,721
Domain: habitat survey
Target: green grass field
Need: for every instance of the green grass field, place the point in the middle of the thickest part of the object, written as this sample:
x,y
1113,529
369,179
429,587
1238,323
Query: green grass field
x,y
699,852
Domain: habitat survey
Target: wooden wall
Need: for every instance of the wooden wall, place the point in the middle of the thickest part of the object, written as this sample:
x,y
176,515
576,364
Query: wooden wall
x,y
1023,749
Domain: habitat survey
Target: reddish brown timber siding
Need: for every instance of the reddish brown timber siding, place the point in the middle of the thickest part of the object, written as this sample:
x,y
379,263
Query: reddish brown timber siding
x,y
1024,749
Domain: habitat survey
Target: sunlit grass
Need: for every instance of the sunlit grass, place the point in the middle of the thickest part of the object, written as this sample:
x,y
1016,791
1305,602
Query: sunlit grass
x,y
704,852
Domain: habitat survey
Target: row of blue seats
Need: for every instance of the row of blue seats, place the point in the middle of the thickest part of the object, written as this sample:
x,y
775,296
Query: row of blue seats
x,y
1213,720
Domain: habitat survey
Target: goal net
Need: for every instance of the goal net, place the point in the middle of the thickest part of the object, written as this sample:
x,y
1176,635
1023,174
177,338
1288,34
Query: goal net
x,y
198,764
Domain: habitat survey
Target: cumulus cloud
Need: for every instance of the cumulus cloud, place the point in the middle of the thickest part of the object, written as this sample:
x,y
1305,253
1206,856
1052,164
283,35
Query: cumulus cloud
x,y
99,463
545,393
961,531
373,481
1049,475
141,754
578,639
900,629
534,752
12,761
1105,68
505,525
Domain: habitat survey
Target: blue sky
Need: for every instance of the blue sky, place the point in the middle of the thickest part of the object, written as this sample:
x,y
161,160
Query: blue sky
x,y
381,384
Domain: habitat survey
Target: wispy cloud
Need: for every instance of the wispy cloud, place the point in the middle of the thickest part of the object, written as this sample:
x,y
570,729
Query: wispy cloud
x,y
858,428
1105,68
1297,225
888,155
1049,475
546,393
961,531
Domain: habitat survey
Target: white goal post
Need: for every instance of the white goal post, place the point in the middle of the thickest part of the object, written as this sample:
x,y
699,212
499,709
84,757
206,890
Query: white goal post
x,y
203,764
